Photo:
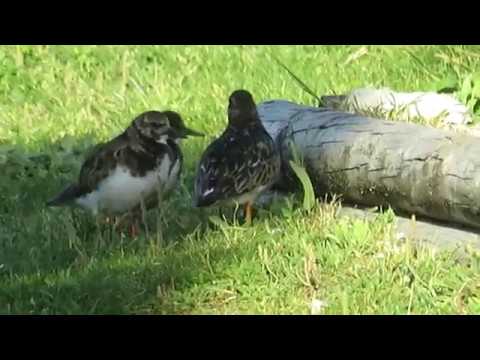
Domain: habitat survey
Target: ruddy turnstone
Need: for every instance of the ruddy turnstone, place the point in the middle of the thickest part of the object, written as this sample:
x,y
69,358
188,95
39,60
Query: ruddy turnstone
x,y
242,163
137,166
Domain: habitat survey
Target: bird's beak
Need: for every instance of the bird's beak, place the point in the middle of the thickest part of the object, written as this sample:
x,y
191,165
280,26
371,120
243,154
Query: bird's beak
x,y
185,132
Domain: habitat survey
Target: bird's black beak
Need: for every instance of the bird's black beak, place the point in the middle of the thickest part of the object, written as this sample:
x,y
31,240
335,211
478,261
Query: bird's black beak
x,y
185,132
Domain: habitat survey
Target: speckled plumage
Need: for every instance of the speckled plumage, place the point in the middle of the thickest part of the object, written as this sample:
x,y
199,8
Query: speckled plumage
x,y
130,168
242,163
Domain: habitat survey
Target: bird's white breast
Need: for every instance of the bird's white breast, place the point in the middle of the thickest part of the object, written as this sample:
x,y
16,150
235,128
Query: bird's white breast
x,y
121,191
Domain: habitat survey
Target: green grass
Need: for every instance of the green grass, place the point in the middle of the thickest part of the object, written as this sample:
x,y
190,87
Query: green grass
x,y
56,101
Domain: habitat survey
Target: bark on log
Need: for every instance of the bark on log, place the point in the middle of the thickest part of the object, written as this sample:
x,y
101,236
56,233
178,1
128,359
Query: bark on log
x,y
412,168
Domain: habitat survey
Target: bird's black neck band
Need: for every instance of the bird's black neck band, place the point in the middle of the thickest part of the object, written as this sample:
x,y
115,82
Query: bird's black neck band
x,y
146,142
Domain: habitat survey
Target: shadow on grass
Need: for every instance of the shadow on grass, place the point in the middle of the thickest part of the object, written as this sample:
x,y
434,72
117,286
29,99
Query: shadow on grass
x,y
57,260
113,284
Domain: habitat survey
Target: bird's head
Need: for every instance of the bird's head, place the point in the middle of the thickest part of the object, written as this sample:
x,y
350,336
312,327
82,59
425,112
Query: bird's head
x,y
161,126
242,110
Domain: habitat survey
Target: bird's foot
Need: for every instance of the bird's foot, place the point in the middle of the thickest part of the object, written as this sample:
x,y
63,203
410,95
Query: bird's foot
x,y
131,225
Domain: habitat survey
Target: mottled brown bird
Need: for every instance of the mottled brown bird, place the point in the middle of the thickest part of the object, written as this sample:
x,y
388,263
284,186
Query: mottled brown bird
x,y
242,163
138,165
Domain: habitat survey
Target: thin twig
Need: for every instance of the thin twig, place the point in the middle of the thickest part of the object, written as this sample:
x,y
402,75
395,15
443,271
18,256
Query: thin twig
x,y
300,82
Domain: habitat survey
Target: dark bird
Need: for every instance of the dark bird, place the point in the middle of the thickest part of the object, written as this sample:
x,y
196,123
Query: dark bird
x,y
242,163
137,166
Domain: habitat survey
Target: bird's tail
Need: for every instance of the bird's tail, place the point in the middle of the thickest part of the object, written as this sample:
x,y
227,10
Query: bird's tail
x,y
204,201
66,197
204,198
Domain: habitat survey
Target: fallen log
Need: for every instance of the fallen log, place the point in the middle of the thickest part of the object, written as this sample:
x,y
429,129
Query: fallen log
x,y
405,105
411,168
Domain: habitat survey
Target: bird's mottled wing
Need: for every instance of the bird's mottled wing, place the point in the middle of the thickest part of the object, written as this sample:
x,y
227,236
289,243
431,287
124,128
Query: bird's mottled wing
x,y
249,162
100,161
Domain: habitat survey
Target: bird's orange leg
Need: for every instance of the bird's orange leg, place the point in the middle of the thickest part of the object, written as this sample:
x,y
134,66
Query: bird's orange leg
x,y
248,212
131,225
134,230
